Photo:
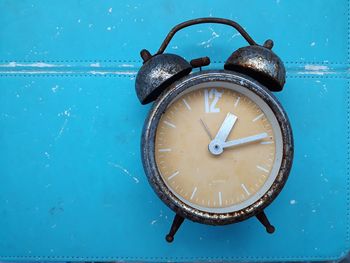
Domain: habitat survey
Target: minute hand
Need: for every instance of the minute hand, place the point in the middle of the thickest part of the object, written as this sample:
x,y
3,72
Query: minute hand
x,y
245,140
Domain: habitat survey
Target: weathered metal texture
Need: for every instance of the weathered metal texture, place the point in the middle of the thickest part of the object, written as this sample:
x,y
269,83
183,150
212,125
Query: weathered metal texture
x,y
260,63
157,73
148,147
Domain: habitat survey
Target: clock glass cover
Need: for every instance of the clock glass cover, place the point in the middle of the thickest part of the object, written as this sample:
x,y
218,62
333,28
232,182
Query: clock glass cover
x,y
218,147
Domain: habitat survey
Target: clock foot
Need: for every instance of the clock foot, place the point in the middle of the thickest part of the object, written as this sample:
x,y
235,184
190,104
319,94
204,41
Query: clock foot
x,y
178,220
266,223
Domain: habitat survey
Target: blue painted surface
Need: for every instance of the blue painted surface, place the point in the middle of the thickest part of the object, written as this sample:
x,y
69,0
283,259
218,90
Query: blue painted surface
x,y
72,185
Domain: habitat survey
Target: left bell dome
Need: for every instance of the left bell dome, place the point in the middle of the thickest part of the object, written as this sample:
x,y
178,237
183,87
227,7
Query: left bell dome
x,y
157,73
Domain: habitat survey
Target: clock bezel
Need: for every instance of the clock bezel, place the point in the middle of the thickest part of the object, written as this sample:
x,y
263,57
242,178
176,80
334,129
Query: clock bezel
x,y
148,147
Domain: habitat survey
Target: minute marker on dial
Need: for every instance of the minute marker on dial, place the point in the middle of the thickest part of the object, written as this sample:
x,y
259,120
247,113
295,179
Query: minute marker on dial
x,y
186,104
245,189
169,124
262,168
173,175
237,101
258,117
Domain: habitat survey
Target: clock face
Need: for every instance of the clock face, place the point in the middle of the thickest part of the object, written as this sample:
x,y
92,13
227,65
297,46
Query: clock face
x,y
218,147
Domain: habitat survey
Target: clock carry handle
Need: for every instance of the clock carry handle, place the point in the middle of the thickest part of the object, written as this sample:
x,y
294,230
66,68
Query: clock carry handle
x,y
206,20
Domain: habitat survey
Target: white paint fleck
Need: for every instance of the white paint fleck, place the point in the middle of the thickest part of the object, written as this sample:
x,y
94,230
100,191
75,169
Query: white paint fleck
x,y
110,10
55,88
208,43
35,72
62,129
293,202
109,28
66,113
95,65
316,70
47,155
125,171
127,66
34,65
313,44
129,72
316,67
153,222
79,20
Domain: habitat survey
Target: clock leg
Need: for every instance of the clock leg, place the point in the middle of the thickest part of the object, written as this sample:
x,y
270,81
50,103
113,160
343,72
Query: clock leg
x,y
266,223
178,220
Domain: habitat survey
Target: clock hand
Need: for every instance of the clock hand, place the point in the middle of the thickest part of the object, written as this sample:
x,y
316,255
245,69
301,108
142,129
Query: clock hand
x,y
225,128
245,140
206,129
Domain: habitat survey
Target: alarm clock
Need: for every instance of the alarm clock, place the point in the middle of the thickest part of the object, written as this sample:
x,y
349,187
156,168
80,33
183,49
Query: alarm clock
x,y
217,146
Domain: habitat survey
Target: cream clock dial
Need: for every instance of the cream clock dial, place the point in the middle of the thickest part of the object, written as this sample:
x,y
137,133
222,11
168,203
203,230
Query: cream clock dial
x,y
218,147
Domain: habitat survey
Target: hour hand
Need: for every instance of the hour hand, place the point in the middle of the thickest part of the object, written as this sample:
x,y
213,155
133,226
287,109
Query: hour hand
x,y
245,140
226,128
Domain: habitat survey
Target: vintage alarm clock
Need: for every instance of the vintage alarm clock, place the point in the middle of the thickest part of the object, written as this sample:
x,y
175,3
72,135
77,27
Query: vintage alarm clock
x,y
217,146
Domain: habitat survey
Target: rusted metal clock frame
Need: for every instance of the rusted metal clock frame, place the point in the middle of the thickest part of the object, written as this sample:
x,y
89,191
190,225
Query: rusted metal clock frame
x,y
163,77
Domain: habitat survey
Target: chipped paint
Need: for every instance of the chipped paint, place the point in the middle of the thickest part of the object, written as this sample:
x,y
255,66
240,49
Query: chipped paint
x,y
127,66
61,72
316,67
63,127
111,68
95,65
125,171
95,72
208,43
14,64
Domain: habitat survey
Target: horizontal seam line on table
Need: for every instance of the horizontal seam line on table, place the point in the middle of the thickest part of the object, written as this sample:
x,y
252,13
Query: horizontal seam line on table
x,y
140,61
311,76
183,257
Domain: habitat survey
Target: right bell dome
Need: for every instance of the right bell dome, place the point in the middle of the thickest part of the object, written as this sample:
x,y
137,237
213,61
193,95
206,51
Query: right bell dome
x,y
260,63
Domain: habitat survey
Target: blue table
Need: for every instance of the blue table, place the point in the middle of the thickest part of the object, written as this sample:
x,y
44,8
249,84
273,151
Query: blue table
x,y
71,182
